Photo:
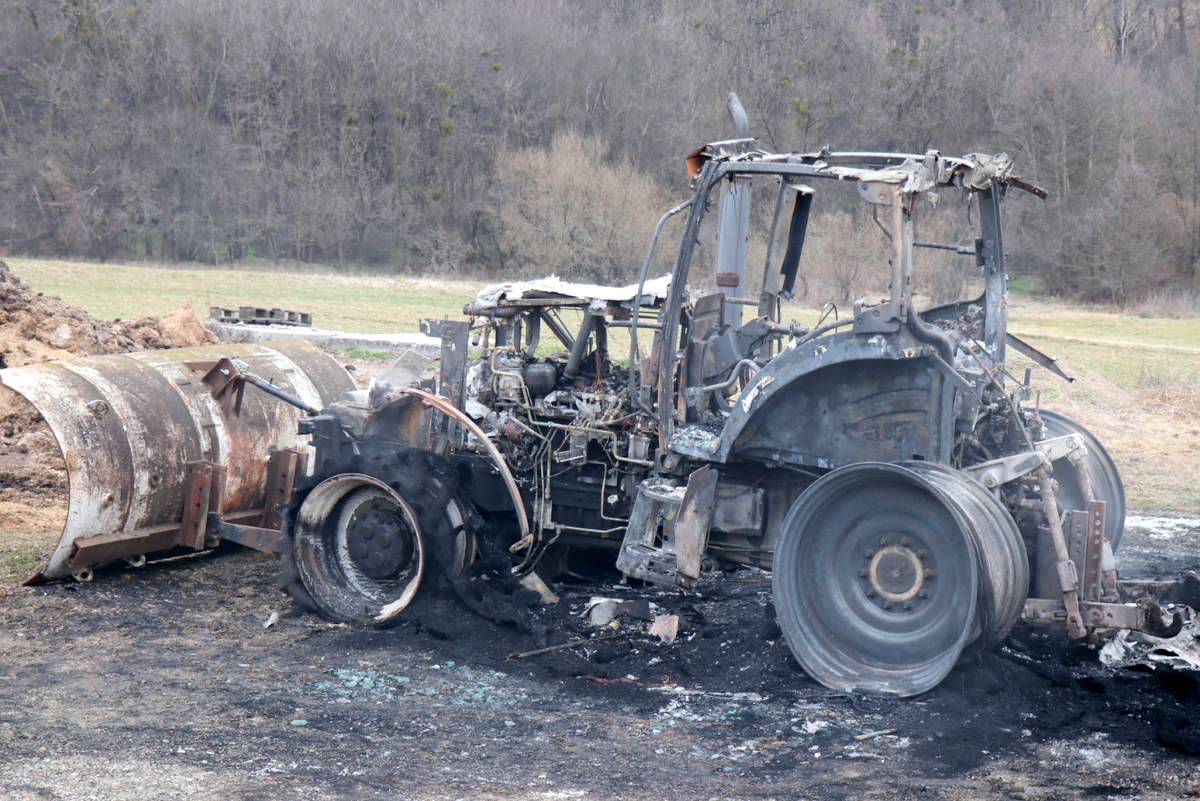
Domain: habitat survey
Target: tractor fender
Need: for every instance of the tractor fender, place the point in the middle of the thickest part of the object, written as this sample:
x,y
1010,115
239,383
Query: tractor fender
x,y
786,373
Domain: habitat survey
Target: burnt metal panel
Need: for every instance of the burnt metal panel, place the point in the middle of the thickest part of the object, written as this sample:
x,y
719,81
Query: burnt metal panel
x,y
839,399
692,523
128,425
850,412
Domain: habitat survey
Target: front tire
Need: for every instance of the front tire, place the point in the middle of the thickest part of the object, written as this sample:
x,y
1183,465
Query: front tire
x,y
362,541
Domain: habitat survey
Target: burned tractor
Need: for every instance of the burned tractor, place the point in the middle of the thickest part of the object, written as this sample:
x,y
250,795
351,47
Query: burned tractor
x,y
908,495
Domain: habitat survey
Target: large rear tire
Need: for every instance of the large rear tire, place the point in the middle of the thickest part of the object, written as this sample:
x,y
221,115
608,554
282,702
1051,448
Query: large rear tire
x,y
874,582
884,573
1003,568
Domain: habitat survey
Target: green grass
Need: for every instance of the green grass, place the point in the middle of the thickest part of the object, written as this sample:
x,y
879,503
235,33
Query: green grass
x,y
20,555
367,304
365,354
1132,352
1024,285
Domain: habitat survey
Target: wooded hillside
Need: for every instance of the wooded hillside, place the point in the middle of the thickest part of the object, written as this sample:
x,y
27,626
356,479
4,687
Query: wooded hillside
x,y
431,135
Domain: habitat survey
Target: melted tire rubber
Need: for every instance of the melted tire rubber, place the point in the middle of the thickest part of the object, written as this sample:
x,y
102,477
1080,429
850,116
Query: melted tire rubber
x,y
429,485
466,559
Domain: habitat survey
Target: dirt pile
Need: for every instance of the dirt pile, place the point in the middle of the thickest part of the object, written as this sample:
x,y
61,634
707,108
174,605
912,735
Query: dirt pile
x,y
35,327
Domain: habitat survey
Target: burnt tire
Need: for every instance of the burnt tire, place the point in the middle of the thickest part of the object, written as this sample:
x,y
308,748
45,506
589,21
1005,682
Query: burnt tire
x,y
1100,468
884,573
363,539
874,582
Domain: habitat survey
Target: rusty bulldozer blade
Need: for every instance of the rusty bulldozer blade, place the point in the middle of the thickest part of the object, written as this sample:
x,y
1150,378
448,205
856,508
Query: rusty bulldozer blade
x,y
150,450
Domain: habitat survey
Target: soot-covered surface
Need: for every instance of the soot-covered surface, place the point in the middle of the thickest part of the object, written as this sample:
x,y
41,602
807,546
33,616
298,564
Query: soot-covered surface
x,y
164,683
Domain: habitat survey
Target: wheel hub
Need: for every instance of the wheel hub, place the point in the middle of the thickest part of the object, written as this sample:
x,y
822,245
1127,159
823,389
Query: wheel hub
x,y
896,574
379,540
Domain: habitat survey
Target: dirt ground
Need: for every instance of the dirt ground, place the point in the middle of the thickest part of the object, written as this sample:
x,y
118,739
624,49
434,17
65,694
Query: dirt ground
x,y
163,682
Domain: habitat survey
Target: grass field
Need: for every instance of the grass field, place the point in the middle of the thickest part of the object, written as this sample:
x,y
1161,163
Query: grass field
x,y
1138,384
367,304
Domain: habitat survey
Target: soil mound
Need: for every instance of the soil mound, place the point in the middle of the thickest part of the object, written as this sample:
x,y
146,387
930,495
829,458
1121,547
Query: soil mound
x,y
35,327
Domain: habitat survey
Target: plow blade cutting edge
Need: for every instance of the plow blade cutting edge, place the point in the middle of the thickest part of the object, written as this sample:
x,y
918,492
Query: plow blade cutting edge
x,y
135,430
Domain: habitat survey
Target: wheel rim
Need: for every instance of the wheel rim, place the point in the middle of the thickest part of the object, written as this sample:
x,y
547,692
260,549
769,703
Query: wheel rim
x,y
1003,564
358,548
875,581
1100,468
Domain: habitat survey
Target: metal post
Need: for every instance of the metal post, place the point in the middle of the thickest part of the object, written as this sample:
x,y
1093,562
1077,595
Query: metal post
x,y
991,257
733,230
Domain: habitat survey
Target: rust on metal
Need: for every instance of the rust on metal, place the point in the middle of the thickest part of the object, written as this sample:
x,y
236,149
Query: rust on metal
x,y
1093,550
102,548
267,540
129,425
197,493
1068,579
281,477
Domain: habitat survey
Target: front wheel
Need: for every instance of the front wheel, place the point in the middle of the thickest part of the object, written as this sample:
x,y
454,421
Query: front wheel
x,y
358,549
362,541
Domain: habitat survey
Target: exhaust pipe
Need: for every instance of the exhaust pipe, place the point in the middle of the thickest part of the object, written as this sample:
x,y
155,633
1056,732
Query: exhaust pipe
x,y
733,230
136,429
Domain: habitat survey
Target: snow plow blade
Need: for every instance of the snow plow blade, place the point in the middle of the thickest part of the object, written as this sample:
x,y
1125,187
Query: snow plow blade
x,y
151,445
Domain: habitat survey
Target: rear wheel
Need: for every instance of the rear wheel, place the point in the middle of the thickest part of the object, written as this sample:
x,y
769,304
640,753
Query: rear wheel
x,y
883,574
874,583
1003,562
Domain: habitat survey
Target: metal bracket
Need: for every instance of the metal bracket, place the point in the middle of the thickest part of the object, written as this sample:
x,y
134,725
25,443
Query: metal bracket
x,y
1144,616
224,381
266,540
692,524
993,473
1005,469
882,319
281,478
1058,447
